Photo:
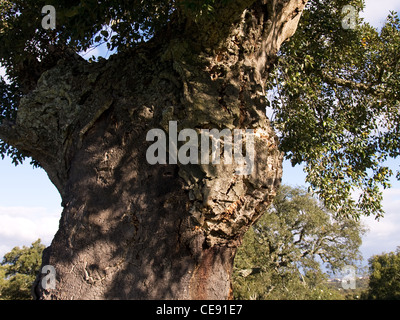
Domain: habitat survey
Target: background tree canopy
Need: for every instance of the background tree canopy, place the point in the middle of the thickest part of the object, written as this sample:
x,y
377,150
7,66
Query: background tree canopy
x,y
384,280
18,271
285,255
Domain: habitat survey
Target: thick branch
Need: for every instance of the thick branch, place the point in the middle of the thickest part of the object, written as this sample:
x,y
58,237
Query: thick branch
x,y
367,88
8,133
228,14
223,14
224,17
248,272
277,19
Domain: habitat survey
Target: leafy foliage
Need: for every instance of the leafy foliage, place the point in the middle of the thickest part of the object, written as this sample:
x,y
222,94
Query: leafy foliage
x,y
337,105
84,24
9,96
18,271
384,280
281,255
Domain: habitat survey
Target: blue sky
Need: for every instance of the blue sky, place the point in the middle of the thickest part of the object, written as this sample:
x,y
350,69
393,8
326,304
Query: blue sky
x,y
30,206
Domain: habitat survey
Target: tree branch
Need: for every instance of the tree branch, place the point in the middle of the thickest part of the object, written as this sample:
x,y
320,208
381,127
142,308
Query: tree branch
x,y
248,272
8,132
277,18
367,88
223,13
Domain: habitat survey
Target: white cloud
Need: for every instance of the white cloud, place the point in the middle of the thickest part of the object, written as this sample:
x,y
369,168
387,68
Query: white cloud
x,y
383,235
23,225
375,12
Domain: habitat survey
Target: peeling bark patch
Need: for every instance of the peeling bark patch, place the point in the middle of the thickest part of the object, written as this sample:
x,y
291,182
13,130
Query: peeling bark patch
x,y
230,211
211,274
198,282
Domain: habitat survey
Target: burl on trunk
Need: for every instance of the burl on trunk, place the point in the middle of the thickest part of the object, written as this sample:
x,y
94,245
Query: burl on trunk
x,y
132,230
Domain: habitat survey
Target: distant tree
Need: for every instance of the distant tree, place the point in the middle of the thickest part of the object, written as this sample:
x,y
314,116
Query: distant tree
x,y
3,281
384,279
18,271
281,255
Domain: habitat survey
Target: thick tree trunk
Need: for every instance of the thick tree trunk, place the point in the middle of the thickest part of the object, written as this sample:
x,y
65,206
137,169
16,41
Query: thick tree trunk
x,y
131,230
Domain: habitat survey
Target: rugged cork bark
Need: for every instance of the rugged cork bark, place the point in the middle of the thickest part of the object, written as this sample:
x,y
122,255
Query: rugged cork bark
x,y
131,230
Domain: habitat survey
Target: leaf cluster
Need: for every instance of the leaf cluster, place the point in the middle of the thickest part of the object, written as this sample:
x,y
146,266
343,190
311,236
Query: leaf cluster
x,y
337,104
